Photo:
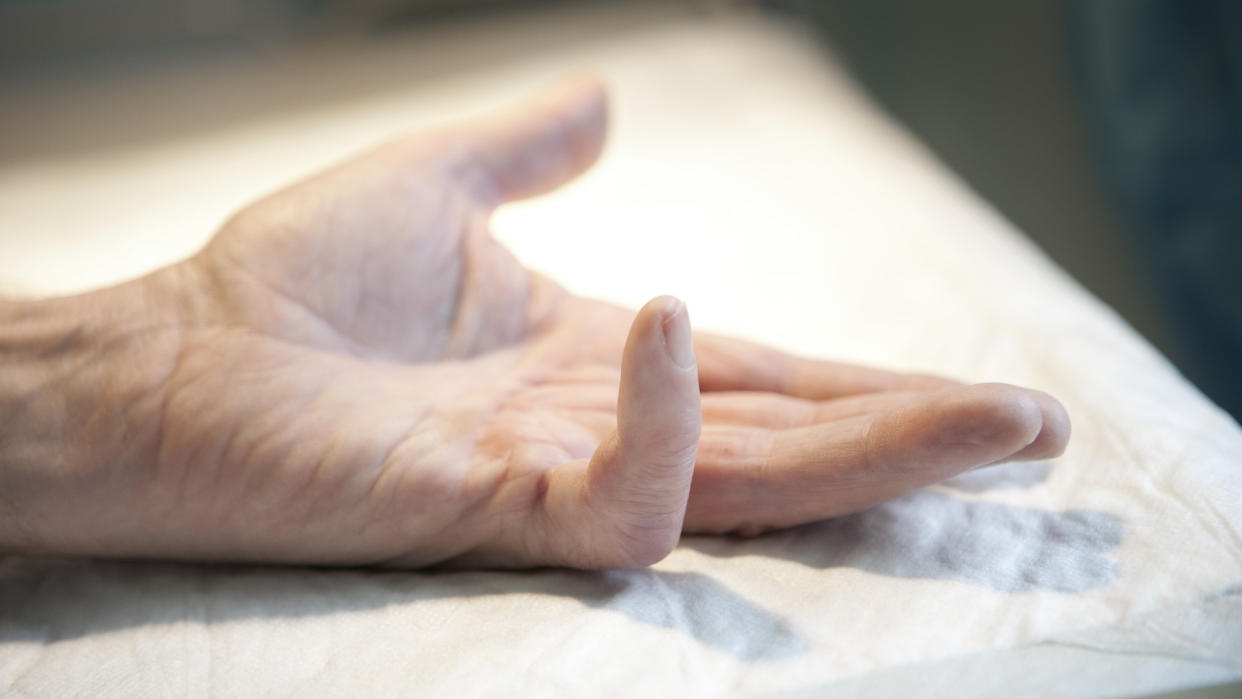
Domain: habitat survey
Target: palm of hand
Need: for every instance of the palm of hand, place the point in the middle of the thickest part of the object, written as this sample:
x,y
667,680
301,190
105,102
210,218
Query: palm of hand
x,y
380,381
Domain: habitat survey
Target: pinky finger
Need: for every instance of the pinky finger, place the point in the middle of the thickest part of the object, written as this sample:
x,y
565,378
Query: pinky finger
x,y
756,479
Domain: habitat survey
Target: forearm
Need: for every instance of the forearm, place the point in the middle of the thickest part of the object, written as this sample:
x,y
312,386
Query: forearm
x,y
79,381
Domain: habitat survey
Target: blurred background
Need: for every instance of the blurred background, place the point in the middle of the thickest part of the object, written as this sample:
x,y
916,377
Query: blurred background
x,y
1107,130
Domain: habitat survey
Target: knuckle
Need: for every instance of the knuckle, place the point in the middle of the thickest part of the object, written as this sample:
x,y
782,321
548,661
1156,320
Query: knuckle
x,y
641,546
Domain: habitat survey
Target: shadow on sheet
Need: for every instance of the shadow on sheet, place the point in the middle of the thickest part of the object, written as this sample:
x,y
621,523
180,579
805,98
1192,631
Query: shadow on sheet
x,y
934,534
928,534
54,600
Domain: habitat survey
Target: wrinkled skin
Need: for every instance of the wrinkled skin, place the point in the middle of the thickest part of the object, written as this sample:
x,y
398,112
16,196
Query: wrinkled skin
x,y
354,372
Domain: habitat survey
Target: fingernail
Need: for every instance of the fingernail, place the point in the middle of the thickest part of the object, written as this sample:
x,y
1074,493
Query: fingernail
x,y
678,342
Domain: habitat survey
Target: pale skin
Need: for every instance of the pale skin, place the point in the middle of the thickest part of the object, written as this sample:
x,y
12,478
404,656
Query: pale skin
x,y
353,372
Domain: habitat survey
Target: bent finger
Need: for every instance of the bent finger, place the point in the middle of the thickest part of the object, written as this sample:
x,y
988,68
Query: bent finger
x,y
627,508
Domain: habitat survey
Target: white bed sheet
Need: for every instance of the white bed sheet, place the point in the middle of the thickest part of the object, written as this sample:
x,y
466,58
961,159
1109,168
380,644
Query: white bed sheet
x,y
814,224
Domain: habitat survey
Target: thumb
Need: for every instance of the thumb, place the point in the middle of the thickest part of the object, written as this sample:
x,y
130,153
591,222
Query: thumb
x,y
538,145
633,500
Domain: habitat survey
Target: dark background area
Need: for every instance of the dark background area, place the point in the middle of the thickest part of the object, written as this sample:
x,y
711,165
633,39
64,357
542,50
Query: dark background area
x,y
988,87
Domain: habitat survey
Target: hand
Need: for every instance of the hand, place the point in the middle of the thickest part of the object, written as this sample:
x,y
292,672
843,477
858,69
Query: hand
x,y
354,372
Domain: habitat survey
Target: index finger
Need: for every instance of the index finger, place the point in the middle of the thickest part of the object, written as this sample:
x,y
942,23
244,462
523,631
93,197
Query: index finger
x,y
730,364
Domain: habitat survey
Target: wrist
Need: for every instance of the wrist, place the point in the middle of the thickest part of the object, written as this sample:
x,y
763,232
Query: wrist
x,y
79,402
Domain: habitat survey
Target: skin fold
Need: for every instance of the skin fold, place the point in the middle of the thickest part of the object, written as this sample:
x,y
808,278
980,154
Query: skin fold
x,y
353,372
